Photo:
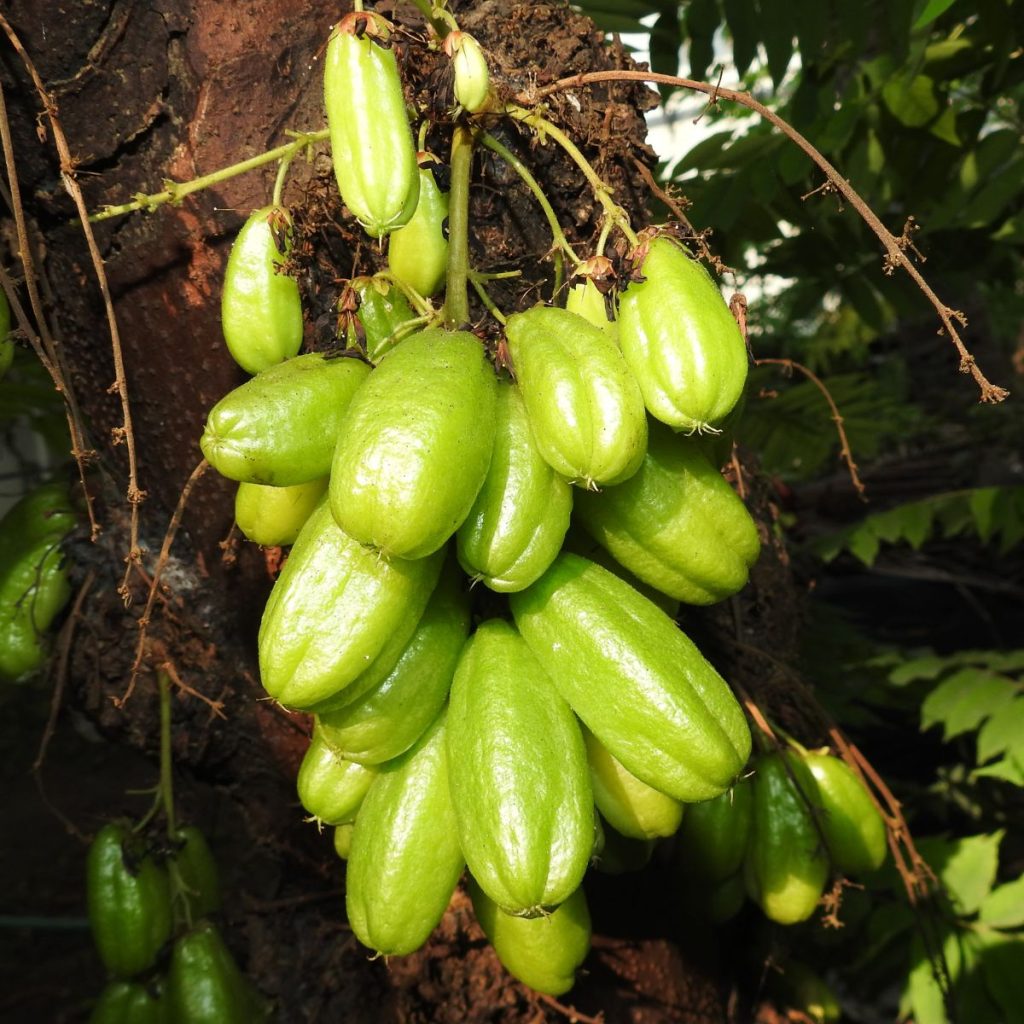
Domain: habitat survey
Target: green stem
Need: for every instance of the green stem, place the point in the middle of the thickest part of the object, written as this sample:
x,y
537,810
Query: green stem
x,y
456,299
418,302
479,288
166,775
282,174
558,235
602,192
426,8
174,191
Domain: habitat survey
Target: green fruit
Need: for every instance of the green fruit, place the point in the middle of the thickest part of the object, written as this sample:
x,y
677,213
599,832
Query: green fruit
x,y
343,839
331,788
630,806
198,871
273,516
415,445
585,408
390,718
472,78
260,308
280,427
714,834
518,772
542,952
680,340
853,828
383,311
621,855
418,252
807,992
518,521
338,617
725,899
204,984
129,1002
405,859
129,902
786,866
676,524
371,142
639,684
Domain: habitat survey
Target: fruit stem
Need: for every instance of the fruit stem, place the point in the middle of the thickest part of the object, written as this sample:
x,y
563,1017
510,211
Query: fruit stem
x,y
166,775
602,192
282,174
478,286
175,191
456,299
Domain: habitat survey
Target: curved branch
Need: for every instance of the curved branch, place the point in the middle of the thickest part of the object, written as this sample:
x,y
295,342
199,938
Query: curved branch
x,y
895,248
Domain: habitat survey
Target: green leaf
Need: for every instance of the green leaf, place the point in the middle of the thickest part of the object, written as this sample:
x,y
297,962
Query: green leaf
x,y
933,9
981,501
1009,769
812,18
777,36
1003,733
923,993
964,700
930,666
1002,964
741,17
864,544
1003,907
945,127
966,867
911,101
701,22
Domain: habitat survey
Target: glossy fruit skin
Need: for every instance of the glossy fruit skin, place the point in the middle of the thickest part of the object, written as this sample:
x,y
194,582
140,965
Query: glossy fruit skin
x,y
519,519
204,984
129,900
637,682
630,806
472,77
371,141
128,1002
273,516
343,839
383,310
331,581
33,579
198,870
418,252
330,787
415,445
389,719
713,838
280,427
681,342
260,307
786,866
676,523
542,952
853,828
585,408
518,772
405,860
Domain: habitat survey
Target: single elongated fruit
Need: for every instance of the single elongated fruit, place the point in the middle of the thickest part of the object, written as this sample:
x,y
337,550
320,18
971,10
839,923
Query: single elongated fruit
x,y
273,516
382,312
519,778
260,308
519,519
542,952
418,252
129,1002
714,834
371,142
639,684
585,408
331,788
280,427
129,902
725,899
34,585
389,719
786,866
630,806
415,445
472,78
198,870
204,984
343,839
676,523
852,826
680,340
405,860
338,617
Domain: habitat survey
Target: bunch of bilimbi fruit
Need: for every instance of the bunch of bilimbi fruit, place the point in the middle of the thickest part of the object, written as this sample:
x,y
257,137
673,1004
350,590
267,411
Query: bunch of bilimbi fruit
x,y
581,725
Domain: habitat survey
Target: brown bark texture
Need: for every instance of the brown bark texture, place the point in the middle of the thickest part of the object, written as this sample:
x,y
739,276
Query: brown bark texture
x,y
178,88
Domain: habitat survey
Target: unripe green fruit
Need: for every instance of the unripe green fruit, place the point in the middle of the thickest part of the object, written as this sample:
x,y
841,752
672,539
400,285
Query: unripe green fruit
x,y
274,516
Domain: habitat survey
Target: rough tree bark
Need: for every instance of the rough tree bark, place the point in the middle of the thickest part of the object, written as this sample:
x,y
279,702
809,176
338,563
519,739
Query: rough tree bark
x,y
177,88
